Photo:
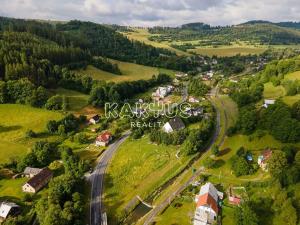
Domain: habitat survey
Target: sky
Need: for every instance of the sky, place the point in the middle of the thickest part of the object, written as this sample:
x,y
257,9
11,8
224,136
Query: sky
x,y
154,12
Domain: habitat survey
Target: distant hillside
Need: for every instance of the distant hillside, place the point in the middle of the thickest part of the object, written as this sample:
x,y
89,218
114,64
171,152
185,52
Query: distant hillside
x,y
262,32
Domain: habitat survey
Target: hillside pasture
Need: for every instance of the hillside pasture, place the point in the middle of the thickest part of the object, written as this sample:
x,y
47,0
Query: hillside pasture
x,y
75,100
228,51
15,120
130,72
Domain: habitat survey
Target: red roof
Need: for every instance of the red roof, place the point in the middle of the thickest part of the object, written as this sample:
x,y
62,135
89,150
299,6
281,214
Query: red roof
x,y
104,137
266,154
208,200
234,200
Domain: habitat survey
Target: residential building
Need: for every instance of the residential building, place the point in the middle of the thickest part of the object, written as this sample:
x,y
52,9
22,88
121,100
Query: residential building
x,y
194,111
193,100
8,209
94,119
173,125
162,92
268,102
31,172
207,205
37,182
263,158
104,139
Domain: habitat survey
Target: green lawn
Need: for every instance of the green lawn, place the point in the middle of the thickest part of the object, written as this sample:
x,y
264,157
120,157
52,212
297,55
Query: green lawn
x,y
75,100
182,214
12,188
15,120
138,168
228,51
270,91
130,72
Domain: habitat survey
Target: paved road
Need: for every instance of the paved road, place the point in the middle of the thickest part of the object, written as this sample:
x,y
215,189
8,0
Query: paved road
x,y
97,180
159,208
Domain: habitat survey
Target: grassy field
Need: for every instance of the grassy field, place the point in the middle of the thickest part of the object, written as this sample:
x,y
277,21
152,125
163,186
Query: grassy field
x,y
270,91
75,100
228,51
15,120
12,188
130,72
138,168
293,76
142,35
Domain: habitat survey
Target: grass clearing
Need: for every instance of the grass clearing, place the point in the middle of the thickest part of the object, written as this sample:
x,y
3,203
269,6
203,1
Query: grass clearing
x,y
270,91
293,76
75,100
130,72
228,51
138,168
142,35
15,120
12,188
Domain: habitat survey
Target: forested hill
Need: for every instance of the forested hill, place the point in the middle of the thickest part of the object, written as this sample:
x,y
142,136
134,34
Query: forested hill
x,y
94,40
257,32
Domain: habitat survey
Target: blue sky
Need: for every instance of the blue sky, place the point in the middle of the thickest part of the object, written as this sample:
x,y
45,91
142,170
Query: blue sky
x,y
154,12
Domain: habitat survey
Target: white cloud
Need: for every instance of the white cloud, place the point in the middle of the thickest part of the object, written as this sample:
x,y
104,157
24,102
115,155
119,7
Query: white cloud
x,y
154,12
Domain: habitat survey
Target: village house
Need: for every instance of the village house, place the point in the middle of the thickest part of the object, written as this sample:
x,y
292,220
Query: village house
x,y
37,182
173,125
193,100
263,158
207,205
268,102
194,111
232,198
104,139
162,92
94,119
8,209
181,75
31,172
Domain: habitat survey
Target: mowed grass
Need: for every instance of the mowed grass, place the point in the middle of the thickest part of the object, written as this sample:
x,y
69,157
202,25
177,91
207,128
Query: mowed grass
x,y
75,100
130,72
182,215
228,51
12,188
138,168
270,91
15,120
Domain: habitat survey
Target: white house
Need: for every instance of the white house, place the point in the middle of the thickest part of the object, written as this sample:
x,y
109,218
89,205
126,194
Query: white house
x,y
37,182
173,125
8,209
162,92
104,139
268,102
207,205
94,119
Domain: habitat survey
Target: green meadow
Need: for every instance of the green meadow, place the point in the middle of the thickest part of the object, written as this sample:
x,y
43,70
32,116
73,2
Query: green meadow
x,y
138,168
15,120
130,72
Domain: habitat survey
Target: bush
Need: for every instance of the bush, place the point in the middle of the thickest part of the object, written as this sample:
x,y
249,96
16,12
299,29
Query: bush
x,y
54,103
30,134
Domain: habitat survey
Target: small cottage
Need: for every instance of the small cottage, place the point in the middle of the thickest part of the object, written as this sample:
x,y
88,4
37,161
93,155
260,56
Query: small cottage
x,y
94,119
104,139
8,209
173,125
37,182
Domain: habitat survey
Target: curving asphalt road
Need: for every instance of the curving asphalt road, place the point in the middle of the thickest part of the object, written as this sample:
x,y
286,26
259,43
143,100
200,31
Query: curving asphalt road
x,y
97,180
